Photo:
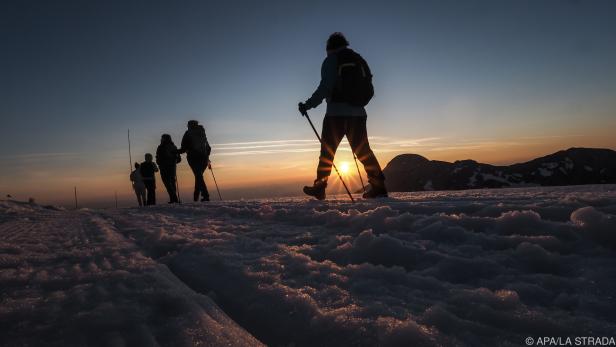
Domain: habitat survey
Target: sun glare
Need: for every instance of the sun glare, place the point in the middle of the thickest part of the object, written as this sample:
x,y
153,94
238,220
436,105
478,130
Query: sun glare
x,y
344,168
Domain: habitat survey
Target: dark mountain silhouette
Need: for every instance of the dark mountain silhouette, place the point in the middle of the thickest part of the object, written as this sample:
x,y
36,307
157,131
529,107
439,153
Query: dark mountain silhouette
x,y
412,172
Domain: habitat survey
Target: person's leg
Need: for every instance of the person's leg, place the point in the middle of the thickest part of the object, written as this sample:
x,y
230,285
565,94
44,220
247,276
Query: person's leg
x,y
167,173
173,196
143,196
147,193
331,135
138,196
164,176
358,139
205,195
195,168
150,186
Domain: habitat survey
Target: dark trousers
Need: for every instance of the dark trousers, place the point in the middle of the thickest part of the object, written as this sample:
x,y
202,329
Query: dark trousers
x,y
167,174
334,129
150,187
198,164
141,199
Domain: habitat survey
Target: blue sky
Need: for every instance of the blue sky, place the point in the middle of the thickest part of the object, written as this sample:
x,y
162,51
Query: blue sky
x,y
497,81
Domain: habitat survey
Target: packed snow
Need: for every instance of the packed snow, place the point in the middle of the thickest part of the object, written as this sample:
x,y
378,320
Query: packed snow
x,y
470,268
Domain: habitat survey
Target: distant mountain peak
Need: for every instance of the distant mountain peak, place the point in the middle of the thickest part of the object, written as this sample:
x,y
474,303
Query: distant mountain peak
x,y
411,158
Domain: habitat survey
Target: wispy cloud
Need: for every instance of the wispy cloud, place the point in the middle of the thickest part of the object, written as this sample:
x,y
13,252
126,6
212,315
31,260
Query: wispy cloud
x,y
270,151
384,144
281,142
381,143
265,147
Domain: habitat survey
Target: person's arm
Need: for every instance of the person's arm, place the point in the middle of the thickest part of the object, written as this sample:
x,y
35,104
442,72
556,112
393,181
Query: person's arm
x,y
184,144
326,86
158,154
208,148
176,154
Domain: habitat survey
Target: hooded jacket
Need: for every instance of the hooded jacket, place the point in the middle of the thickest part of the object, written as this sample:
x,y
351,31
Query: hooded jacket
x,y
167,154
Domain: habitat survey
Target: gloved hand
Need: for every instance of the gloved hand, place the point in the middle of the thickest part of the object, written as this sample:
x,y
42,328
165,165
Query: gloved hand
x,y
302,108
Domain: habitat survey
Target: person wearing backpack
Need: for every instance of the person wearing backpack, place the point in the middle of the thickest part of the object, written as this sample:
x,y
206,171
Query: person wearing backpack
x,y
148,169
346,85
167,157
197,149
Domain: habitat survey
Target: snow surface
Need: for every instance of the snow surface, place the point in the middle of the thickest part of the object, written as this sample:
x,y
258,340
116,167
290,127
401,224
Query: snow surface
x,y
475,267
71,279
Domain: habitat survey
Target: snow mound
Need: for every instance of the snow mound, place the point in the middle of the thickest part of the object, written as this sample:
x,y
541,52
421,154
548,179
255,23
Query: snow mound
x,y
599,226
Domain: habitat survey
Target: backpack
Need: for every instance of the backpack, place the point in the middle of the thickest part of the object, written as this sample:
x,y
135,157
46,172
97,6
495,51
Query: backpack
x,y
354,79
198,141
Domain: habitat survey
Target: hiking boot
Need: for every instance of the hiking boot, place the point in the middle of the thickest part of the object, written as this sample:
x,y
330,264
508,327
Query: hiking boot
x,y
317,190
196,195
205,198
376,189
373,193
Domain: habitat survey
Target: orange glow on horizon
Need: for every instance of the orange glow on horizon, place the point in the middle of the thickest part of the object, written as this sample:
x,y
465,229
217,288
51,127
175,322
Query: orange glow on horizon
x,y
278,173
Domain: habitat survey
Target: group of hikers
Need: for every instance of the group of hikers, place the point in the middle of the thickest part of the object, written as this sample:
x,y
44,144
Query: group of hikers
x,y
197,149
346,85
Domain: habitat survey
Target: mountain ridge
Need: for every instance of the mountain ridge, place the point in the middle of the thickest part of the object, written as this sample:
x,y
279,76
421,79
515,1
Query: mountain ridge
x,y
573,166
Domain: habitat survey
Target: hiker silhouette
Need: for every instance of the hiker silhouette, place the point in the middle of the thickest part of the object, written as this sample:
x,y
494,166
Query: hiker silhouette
x,y
197,149
148,169
346,85
167,157
138,185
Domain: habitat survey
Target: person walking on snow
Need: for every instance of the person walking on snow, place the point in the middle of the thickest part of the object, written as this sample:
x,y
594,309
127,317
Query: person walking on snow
x,y
346,85
167,157
148,169
138,185
197,149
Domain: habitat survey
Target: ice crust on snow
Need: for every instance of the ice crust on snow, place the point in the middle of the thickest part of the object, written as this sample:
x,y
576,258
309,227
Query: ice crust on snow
x,y
471,268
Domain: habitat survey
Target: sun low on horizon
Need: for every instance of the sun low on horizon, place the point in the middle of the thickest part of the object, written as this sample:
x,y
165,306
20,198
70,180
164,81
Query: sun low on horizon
x,y
344,168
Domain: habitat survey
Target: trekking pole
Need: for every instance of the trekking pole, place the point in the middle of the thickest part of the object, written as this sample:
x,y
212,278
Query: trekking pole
x,y
359,173
216,184
305,114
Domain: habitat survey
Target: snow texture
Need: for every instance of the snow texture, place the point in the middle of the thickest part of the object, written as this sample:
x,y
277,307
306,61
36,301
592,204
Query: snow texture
x,y
71,279
470,268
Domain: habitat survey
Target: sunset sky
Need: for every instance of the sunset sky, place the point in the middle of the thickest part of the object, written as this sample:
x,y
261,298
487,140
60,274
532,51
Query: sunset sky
x,y
496,81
